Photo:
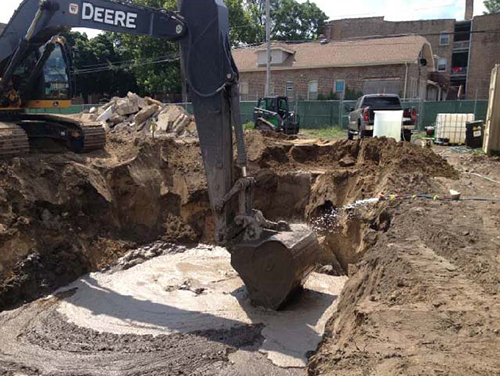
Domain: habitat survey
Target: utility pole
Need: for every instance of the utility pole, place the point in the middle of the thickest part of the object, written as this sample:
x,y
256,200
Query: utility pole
x,y
268,40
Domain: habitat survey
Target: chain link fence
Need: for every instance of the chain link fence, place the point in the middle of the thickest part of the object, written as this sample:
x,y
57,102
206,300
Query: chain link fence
x,y
324,114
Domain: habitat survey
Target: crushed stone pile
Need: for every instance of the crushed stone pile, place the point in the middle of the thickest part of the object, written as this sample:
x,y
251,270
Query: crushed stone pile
x,y
134,114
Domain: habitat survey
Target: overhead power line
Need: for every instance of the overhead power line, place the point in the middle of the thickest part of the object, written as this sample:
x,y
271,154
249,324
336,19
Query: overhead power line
x,y
124,66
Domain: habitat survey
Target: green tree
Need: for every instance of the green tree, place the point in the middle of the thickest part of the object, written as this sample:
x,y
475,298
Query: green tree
x,y
94,68
156,67
493,6
290,20
243,28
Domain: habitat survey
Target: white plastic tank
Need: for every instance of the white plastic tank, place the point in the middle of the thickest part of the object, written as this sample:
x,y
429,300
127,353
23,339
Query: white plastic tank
x,y
388,124
451,128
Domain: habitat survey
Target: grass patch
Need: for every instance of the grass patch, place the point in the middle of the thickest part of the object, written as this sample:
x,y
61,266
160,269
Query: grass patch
x,y
331,133
248,126
419,135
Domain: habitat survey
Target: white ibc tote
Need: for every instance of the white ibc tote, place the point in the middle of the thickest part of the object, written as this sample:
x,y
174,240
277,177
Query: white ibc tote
x,y
451,128
388,124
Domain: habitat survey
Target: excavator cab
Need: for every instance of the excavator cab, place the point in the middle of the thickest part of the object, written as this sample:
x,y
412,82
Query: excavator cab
x,y
46,85
55,83
42,78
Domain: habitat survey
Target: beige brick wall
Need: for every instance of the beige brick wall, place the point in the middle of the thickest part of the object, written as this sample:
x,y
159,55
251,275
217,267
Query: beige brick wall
x,y
485,47
485,53
376,26
354,78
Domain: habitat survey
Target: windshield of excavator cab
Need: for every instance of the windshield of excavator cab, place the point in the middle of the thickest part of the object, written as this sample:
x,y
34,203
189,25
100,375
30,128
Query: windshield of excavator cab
x,y
55,76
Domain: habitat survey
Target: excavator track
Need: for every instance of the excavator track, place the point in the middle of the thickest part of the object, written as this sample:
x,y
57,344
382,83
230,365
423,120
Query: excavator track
x,y
94,137
79,136
13,140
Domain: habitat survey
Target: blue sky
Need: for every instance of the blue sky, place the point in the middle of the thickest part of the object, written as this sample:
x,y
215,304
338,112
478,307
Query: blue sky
x,y
393,10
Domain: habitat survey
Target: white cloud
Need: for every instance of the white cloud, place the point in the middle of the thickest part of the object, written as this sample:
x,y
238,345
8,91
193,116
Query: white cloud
x,y
398,10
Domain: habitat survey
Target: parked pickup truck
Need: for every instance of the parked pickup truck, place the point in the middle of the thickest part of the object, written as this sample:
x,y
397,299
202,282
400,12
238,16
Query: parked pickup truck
x,y
362,117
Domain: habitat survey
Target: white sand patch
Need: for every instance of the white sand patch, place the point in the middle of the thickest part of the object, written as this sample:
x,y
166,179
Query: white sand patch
x,y
146,299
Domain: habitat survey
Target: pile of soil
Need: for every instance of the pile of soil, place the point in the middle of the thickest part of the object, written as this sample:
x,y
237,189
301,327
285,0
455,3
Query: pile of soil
x,y
426,298
66,214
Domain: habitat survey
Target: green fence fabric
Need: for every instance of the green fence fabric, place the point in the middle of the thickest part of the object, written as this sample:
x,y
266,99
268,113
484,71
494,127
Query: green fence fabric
x,y
323,114
75,109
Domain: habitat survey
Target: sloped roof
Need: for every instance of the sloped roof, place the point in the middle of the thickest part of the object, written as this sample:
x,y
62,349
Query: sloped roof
x,y
2,26
347,53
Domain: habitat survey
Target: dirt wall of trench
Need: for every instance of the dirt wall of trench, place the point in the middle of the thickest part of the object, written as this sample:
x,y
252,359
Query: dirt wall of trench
x,y
63,215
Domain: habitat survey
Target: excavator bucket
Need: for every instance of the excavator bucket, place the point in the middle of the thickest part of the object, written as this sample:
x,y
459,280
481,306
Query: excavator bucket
x,y
275,267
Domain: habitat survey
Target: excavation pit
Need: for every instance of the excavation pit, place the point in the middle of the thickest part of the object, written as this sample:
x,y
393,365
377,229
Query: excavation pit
x,y
183,311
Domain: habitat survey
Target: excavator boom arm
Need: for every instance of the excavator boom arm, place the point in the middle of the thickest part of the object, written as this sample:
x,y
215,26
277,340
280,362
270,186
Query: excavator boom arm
x,y
202,28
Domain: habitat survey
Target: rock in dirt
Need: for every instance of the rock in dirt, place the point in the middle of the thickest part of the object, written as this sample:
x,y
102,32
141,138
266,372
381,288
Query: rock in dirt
x,y
126,107
145,114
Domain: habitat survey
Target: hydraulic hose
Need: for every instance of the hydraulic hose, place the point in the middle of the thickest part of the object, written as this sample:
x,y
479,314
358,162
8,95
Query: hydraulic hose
x,y
438,198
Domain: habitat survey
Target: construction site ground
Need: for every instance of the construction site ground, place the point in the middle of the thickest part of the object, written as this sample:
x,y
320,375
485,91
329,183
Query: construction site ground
x,y
107,262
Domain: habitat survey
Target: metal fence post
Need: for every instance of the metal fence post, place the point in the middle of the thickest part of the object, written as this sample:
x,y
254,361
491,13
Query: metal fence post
x,y
422,114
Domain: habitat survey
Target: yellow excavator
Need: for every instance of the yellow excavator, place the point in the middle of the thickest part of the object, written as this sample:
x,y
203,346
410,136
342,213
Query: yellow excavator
x,y
273,259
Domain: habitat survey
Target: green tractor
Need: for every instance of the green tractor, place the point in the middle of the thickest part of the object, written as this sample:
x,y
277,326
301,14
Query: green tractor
x,y
273,114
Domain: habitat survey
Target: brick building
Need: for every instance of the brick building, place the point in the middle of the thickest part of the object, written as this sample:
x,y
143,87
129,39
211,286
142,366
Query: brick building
x,y
399,65
466,51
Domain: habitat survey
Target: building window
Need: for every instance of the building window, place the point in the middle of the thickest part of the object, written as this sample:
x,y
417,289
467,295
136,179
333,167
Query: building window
x,y
289,89
339,87
442,65
244,91
312,93
444,39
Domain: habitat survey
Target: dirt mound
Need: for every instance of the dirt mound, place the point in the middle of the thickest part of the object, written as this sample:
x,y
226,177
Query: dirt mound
x,y
379,152
424,300
66,214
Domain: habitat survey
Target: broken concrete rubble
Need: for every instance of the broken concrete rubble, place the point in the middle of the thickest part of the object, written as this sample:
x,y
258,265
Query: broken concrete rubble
x,y
126,106
143,115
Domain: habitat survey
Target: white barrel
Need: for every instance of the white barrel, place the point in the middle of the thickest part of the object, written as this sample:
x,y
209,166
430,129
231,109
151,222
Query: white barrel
x,y
388,124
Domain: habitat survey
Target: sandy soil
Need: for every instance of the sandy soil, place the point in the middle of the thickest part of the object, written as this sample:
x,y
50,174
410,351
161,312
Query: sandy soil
x,y
425,299
195,291
422,294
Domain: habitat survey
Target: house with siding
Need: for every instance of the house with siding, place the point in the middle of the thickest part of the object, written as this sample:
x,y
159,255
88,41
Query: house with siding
x,y
402,65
